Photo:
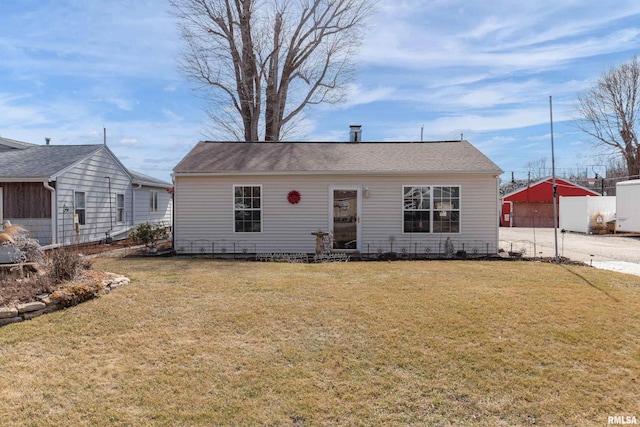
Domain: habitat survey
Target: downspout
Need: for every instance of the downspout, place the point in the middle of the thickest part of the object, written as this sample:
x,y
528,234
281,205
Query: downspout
x,y
173,214
133,207
54,212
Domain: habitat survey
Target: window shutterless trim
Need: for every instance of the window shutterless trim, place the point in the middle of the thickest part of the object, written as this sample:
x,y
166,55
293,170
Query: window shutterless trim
x,y
120,209
234,210
432,208
153,201
81,220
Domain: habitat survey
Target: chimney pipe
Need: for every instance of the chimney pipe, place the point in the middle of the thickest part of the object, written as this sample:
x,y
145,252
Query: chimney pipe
x,y
355,133
47,140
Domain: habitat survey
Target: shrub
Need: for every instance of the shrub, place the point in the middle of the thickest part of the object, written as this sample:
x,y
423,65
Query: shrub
x,y
65,265
25,248
76,293
148,234
29,247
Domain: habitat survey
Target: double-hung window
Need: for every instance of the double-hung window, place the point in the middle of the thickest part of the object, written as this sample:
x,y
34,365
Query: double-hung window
x,y
120,208
431,209
153,201
417,209
247,208
446,209
79,199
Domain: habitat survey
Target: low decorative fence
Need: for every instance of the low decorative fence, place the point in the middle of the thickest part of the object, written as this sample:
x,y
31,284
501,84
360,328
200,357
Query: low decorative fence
x,y
400,248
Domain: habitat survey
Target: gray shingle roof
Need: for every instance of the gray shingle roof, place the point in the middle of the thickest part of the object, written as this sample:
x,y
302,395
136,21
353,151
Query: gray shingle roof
x,y
364,157
7,144
42,161
140,178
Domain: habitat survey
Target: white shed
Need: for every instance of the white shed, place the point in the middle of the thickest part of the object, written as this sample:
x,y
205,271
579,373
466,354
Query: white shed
x,y
587,214
628,206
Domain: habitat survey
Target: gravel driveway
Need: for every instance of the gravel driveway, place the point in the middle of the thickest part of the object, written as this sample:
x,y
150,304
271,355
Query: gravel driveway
x,y
608,251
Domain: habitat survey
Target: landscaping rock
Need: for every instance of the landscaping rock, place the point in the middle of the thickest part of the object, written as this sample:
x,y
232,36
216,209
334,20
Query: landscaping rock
x,y
7,312
30,306
31,314
46,304
116,282
48,301
10,320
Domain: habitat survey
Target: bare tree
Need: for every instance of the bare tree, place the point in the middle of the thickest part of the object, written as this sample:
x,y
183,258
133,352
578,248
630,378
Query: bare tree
x,y
262,62
539,168
609,113
616,168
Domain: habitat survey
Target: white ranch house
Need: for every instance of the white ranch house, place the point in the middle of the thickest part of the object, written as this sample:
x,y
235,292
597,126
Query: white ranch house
x,y
405,197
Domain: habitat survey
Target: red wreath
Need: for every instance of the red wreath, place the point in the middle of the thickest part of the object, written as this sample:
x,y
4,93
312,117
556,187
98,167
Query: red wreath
x,y
293,197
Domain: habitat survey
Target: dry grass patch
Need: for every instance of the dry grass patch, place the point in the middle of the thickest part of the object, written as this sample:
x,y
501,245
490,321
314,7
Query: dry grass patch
x,y
199,342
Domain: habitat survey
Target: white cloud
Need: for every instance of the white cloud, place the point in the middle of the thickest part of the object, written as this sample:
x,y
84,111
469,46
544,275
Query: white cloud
x,y
129,142
85,39
171,115
358,95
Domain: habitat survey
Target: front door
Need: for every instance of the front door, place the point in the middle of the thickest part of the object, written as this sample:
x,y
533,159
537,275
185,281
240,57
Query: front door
x,y
345,217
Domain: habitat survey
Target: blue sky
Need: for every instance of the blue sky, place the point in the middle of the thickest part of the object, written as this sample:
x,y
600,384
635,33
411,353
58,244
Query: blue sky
x,y
486,70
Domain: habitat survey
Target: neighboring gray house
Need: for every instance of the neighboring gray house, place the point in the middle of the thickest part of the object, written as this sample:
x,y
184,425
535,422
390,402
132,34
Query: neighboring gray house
x,y
152,199
404,197
68,194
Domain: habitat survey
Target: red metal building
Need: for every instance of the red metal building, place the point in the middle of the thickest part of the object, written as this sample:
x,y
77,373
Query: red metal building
x,y
532,206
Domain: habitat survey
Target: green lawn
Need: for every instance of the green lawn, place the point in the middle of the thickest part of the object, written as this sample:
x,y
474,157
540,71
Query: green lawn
x,y
204,343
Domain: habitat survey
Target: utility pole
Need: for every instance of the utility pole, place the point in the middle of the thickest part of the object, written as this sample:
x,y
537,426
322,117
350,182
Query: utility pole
x,y
553,180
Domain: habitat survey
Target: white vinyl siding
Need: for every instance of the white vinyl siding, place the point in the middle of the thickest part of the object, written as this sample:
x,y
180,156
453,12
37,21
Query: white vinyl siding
x,y
90,177
202,206
142,206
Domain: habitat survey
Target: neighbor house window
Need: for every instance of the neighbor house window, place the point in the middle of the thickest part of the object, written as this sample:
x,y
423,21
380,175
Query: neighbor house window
x,y
80,207
120,208
153,201
247,208
431,209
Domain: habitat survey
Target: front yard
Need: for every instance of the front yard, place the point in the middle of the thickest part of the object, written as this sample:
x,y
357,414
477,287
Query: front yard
x,y
201,342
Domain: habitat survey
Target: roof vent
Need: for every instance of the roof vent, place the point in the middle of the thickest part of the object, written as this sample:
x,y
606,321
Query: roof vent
x,y
47,140
355,133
